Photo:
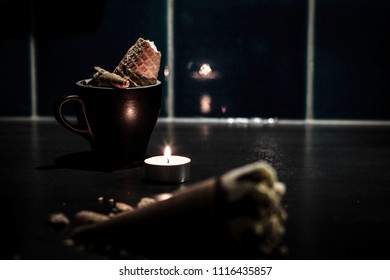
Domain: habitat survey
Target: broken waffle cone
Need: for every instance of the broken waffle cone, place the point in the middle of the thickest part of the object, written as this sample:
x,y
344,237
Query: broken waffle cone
x,y
236,215
103,78
141,64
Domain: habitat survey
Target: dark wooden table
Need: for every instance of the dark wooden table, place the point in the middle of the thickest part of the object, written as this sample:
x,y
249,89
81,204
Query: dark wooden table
x,y
337,179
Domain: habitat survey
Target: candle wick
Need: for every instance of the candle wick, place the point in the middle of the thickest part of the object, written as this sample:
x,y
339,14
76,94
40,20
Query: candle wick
x,y
167,160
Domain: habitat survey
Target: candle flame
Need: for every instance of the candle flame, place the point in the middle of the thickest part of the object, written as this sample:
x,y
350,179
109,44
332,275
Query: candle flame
x,y
167,152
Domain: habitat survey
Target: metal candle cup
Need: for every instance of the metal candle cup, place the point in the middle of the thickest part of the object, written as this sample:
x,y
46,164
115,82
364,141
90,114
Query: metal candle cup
x,y
167,168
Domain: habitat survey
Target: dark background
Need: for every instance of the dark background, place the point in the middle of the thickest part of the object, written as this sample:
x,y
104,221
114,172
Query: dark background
x,y
257,49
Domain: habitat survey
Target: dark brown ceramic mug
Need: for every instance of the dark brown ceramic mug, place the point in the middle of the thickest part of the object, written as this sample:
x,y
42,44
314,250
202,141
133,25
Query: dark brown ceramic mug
x,y
118,123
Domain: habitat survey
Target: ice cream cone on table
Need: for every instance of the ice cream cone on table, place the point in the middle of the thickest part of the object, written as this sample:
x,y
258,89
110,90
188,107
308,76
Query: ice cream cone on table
x,y
236,215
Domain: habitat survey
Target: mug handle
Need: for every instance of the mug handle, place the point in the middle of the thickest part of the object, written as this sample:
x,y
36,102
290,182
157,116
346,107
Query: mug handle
x,y
82,127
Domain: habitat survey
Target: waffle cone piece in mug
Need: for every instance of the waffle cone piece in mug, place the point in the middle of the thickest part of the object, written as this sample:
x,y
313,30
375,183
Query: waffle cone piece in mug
x,y
138,67
141,64
236,215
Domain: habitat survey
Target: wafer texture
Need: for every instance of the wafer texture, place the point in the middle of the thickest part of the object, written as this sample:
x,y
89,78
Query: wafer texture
x,y
141,64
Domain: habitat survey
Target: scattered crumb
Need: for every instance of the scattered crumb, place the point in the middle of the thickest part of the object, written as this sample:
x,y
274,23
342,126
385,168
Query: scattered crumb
x,y
111,201
145,201
163,196
123,207
59,220
124,253
85,217
283,250
68,242
111,215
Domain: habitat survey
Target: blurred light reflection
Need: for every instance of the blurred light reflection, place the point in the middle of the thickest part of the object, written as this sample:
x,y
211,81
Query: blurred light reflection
x,y
255,120
205,72
205,104
131,111
205,69
166,71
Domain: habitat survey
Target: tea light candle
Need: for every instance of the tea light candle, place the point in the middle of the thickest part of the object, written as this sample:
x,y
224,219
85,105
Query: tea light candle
x,y
167,168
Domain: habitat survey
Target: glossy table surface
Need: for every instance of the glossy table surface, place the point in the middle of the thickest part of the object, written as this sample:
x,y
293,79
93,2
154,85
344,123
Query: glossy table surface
x,y
337,179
